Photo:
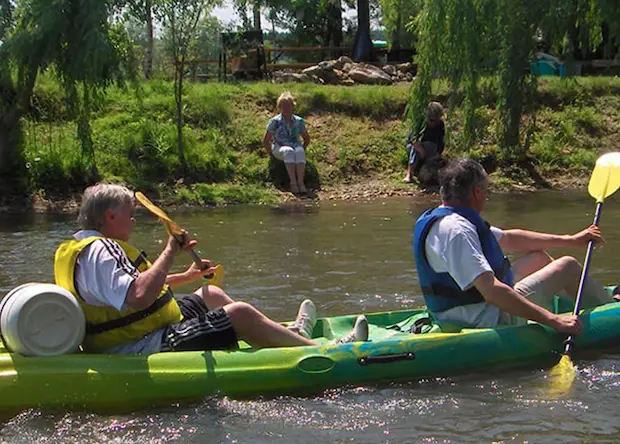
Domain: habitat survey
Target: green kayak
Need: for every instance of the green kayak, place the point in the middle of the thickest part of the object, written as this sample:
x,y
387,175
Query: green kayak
x,y
113,382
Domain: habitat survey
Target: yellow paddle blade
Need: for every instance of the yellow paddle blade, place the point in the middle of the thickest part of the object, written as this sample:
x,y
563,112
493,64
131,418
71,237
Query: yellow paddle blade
x,y
218,276
605,178
562,377
171,226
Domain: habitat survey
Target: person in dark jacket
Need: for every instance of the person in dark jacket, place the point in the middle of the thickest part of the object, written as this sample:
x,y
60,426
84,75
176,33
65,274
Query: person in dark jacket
x,y
426,142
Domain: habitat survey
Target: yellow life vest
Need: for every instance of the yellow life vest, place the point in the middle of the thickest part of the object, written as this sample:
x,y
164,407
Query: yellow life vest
x,y
106,326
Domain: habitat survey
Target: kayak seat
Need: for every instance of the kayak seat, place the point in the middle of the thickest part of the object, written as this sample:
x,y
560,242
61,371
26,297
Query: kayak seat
x,y
421,323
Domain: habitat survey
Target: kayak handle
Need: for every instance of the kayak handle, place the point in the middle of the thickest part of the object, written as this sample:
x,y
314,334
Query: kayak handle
x,y
386,359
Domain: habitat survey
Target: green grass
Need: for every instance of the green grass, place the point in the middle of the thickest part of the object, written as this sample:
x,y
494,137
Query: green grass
x,y
205,194
357,132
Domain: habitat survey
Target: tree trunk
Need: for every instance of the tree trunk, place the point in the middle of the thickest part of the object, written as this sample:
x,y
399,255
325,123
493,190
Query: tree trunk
x,y
334,23
8,121
256,13
178,96
397,32
5,135
363,51
148,56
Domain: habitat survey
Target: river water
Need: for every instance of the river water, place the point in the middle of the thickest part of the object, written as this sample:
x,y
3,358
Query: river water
x,y
349,257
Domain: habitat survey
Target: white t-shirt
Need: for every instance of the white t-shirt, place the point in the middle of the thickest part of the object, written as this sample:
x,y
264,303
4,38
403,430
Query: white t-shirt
x,y
453,246
103,276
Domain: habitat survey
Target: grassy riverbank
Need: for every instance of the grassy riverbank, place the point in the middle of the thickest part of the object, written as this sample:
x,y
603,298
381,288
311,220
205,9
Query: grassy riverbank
x,y
357,138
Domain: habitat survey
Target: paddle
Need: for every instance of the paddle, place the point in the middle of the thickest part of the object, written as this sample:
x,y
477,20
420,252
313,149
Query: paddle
x,y
173,229
605,180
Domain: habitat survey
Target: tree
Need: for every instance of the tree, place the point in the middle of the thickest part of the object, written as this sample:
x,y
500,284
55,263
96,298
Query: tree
x,y
143,11
310,22
395,15
334,23
461,40
78,43
180,19
363,50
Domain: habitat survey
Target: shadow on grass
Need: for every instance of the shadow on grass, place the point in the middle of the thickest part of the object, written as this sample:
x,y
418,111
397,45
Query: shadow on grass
x,y
279,177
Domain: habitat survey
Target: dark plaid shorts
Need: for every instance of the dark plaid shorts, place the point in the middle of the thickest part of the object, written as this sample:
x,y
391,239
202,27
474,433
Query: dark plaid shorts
x,y
200,329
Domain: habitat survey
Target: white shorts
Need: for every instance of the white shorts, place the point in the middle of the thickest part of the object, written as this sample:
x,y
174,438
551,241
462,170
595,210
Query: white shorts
x,y
289,154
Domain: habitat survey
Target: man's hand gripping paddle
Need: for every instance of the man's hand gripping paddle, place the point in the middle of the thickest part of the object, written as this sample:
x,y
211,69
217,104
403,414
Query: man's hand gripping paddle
x,y
173,229
605,180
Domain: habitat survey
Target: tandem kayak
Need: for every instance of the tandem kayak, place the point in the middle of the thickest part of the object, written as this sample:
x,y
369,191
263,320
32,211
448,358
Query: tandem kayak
x,y
115,382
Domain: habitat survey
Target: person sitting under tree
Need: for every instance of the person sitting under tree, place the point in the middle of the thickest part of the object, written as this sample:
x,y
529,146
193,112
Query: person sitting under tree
x,y
425,143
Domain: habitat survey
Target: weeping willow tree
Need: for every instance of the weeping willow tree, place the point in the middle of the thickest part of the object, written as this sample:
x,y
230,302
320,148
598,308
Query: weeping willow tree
x,y
395,16
465,40
79,44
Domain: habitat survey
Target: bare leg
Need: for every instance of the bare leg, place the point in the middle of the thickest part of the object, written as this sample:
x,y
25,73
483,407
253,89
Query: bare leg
x,y
259,331
301,170
213,296
561,275
409,173
292,177
530,263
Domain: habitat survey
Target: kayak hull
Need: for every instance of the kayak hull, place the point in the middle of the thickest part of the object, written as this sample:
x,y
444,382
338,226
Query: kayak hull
x,y
115,382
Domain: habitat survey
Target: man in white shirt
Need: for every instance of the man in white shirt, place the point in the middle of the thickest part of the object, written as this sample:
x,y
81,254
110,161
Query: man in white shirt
x,y
465,276
127,302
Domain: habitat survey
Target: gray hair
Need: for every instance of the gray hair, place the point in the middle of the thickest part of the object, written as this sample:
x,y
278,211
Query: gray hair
x,y
458,179
99,198
434,111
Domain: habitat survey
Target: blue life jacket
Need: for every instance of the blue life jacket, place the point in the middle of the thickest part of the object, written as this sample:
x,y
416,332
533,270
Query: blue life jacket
x,y
441,292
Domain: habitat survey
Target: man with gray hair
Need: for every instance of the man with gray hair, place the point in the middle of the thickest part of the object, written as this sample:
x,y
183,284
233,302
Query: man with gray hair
x,y
127,301
465,276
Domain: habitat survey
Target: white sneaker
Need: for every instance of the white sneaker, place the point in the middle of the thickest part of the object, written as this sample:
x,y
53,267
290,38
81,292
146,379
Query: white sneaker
x,y
305,320
359,332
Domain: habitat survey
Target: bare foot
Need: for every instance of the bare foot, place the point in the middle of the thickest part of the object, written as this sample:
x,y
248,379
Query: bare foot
x,y
407,179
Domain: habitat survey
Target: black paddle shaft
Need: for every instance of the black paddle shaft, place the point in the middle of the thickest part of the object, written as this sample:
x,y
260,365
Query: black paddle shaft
x,y
194,256
584,273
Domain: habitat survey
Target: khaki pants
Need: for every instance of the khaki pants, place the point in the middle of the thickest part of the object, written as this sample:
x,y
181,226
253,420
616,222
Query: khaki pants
x,y
559,277
539,278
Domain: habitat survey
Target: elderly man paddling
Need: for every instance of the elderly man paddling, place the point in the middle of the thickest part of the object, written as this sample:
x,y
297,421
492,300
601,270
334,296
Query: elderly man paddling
x,y
127,301
466,278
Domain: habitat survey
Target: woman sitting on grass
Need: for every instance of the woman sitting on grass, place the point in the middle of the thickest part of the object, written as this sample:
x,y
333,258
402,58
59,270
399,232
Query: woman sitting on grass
x,y
282,141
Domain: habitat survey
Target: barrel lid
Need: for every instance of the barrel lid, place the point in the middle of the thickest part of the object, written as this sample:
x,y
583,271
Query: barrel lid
x,y
41,320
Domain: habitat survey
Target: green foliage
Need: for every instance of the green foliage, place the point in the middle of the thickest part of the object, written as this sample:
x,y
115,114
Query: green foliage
x,y
74,41
53,158
395,15
135,140
204,194
253,169
461,40
180,19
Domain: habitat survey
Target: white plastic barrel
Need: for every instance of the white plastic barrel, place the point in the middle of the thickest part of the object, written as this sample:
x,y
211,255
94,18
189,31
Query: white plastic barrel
x,y
41,320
